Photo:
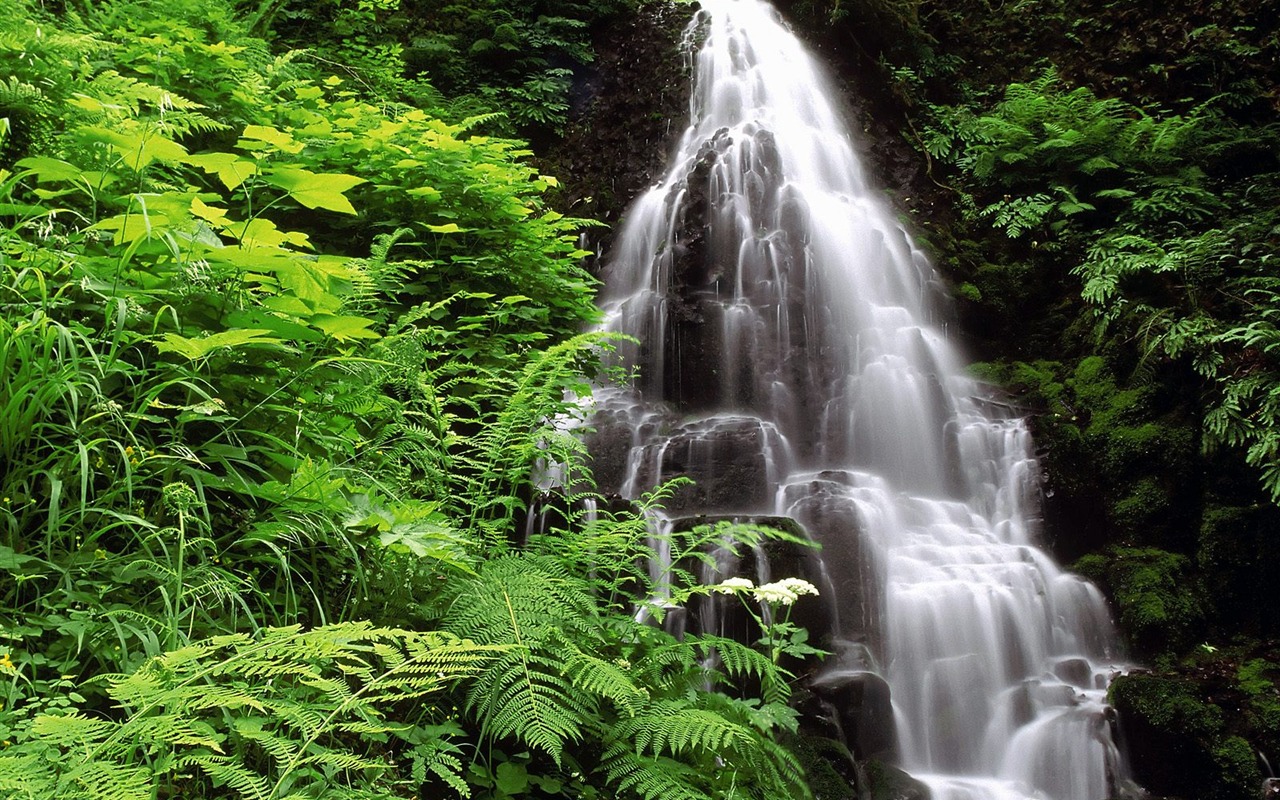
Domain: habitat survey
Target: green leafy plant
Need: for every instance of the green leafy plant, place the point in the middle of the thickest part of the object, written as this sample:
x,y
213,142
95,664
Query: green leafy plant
x,y
287,713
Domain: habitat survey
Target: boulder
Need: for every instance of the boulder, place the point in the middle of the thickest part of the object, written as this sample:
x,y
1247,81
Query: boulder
x,y
859,703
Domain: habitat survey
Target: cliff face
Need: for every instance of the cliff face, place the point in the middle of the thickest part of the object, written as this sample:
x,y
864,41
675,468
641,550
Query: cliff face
x,y
629,106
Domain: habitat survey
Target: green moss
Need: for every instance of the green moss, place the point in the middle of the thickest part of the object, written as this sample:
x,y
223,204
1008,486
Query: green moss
x,y
1238,773
1236,549
821,758
1172,733
1253,679
1145,502
1093,567
1167,704
1257,684
1182,741
969,292
1160,603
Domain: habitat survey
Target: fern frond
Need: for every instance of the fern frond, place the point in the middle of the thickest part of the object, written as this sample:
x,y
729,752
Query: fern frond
x,y
227,771
651,778
107,781
605,679
25,777
253,713
526,696
738,660
672,727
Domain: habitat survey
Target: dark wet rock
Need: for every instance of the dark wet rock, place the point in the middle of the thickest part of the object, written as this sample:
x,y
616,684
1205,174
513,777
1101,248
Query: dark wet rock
x,y
1075,671
727,459
886,782
831,518
628,109
863,710
609,444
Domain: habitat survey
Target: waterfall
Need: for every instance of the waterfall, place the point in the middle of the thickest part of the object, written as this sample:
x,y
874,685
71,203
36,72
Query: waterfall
x,y
792,359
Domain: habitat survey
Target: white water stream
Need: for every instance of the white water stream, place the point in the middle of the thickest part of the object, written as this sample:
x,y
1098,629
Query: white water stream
x,y
792,353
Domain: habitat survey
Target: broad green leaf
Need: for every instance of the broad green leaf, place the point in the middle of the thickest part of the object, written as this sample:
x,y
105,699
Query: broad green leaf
x,y
316,189
452,227
193,349
91,104
289,304
344,328
301,277
271,136
284,328
23,210
261,232
257,259
213,214
132,226
230,168
12,561
136,149
512,778
50,169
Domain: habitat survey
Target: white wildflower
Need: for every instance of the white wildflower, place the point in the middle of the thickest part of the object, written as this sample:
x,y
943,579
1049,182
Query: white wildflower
x,y
775,593
798,585
785,591
733,585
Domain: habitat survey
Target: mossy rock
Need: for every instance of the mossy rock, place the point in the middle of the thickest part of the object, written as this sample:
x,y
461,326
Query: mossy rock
x,y
828,766
1236,550
1161,605
1178,740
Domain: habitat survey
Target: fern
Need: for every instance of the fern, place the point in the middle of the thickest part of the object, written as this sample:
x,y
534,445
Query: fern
x,y
652,778
606,679
673,727
567,680
740,661
650,750
286,712
531,606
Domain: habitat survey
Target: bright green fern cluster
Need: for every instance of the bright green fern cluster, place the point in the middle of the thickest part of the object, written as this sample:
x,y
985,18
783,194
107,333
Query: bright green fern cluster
x,y
285,714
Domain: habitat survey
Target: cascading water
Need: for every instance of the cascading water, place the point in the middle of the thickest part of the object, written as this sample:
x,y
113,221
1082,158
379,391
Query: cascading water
x,y
791,361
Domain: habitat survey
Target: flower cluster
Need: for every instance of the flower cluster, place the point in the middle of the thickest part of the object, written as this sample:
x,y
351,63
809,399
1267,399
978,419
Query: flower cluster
x,y
784,592
733,585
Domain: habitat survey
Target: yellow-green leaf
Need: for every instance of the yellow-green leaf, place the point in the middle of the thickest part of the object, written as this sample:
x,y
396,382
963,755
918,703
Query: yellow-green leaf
x,y
136,149
212,214
193,349
344,328
49,169
258,232
230,168
132,226
253,134
316,189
